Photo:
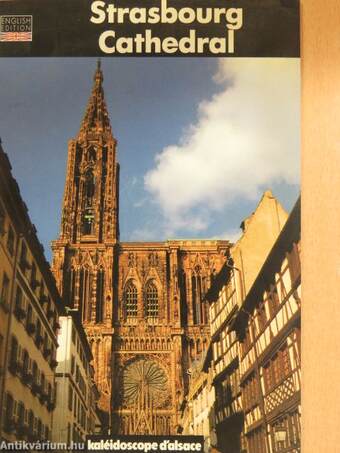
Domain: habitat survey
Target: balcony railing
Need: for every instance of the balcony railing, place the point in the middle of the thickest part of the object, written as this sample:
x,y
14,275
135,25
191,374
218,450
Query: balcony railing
x,y
280,393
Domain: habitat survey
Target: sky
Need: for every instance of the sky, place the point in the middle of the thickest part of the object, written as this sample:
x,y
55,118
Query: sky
x,y
199,140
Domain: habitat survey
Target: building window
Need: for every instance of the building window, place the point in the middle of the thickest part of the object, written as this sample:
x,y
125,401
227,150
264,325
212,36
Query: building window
x,y
39,338
197,293
273,300
131,300
250,393
151,302
4,291
10,240
72,364
89,189
261,316
39,429
19,309
88,213
23,256
70,396
100,295
53,359
21,414
42,296
13,361
35,373
246,343
85,287
257,441
25,362
9,413
30,325
34,282
43,383
277,368
286,432
70,286
30,421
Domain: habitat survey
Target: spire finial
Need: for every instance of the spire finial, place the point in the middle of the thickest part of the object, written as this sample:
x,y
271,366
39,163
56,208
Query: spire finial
x,y
98,76
96,116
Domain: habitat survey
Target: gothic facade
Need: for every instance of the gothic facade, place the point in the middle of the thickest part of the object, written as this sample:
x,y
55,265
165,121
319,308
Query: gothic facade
x,y
141,303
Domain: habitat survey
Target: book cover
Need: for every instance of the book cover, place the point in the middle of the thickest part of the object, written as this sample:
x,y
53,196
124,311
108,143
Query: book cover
x,y
163,311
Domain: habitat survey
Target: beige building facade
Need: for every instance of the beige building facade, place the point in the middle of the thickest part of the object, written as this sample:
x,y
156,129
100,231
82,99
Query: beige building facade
x,y
29,313
75,415
197,409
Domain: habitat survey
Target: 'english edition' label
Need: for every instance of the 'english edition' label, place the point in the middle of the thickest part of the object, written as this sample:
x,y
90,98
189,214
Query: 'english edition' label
x,y
16,28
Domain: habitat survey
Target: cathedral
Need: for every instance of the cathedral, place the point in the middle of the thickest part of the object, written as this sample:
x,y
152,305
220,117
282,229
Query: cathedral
x,y
141,303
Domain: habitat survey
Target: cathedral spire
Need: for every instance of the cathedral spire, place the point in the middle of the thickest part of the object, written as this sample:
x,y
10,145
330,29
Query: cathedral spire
x,y
96,118
90,206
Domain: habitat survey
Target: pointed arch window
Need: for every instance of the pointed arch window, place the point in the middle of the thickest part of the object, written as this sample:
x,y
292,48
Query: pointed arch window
x,y
131,299
100,295
151,301
89,188
85,289
92,154
70,286
88,213
197,288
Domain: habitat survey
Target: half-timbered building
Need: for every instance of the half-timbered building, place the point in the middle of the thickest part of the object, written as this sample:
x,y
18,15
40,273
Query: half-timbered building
x,y
226,296
268,328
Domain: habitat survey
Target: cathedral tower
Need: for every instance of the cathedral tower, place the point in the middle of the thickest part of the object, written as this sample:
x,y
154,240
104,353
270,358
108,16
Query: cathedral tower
x,y
141,303
83,256
90,207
